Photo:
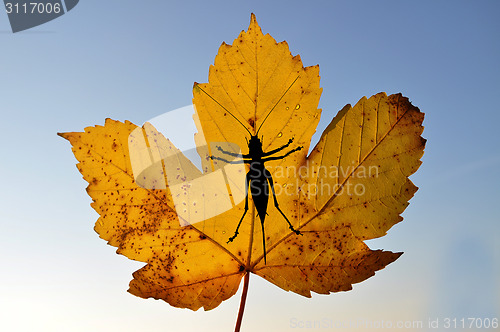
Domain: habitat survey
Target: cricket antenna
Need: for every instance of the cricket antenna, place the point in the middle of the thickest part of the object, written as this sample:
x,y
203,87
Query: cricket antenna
x,y
225,109
276,104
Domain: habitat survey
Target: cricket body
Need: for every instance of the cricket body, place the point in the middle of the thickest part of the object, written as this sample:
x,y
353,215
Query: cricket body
x,y
258,178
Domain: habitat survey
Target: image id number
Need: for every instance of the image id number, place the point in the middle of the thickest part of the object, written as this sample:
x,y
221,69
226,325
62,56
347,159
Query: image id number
x,y
470,323
33,8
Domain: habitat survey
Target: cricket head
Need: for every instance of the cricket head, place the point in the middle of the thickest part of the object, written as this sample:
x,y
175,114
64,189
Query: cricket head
x,y
255,144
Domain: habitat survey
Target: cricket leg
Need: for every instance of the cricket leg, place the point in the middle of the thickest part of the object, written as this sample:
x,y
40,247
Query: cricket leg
x,y
270,179
229,153
283,156
263,242
278,149
241,161
245,212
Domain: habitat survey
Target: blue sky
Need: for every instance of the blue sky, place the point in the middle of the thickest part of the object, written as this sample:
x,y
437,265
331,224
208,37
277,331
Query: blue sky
x,y
131,60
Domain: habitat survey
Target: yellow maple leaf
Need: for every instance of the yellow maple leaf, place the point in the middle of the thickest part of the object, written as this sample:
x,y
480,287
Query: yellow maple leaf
x,y
353,186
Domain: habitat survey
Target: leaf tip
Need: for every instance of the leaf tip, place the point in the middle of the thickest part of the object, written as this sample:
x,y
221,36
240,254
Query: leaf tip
x,y
196,88
393,256
253,24
253,19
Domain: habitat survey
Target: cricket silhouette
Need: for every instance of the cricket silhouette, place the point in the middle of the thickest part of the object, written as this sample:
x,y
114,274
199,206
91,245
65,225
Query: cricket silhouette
x,y
258,178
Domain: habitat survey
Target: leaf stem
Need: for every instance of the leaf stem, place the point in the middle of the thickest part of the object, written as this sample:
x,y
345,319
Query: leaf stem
x,y
242,302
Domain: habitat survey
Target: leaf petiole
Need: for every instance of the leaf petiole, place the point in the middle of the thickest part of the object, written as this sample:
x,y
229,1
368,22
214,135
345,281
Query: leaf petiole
x,y
242,302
